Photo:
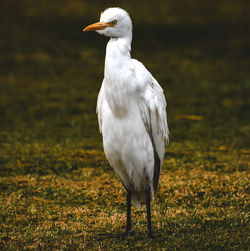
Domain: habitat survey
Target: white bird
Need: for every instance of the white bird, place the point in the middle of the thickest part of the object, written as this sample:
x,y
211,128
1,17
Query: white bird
x,y
132,115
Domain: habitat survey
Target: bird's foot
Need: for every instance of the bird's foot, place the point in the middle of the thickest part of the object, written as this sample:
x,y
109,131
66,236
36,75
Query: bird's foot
x,y
129,233
150,236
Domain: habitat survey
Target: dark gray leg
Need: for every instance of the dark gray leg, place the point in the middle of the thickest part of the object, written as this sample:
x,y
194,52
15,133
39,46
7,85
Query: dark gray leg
x,y
128,231
148,199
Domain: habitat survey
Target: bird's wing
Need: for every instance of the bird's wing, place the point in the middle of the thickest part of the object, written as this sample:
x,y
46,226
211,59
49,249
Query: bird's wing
x,y
152,106
99,107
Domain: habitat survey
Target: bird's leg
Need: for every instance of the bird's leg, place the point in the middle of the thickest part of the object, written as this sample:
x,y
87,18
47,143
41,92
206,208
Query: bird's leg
x,y
128,231
148,200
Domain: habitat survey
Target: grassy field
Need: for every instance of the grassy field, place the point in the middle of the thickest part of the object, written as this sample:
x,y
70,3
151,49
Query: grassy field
x,y
57,190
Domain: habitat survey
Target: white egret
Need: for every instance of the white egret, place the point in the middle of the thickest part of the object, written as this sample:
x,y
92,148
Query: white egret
x,y
132,116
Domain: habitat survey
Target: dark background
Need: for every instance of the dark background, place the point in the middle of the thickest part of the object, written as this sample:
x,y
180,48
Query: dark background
x,y
51,71
57,190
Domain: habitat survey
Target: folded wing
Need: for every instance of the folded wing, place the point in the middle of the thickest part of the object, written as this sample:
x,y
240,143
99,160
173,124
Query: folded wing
x,y
153,105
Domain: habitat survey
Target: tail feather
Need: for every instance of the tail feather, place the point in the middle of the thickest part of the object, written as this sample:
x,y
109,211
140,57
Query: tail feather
x,y
140,197
136,199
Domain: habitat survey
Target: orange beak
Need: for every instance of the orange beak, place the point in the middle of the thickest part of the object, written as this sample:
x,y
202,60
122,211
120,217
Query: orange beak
x,y
97,26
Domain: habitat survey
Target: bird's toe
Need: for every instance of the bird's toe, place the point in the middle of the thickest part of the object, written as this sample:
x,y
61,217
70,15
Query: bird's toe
x,y
150,236
129,233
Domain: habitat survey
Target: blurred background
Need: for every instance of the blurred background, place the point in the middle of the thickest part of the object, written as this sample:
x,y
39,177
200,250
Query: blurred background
x,y
57,188
51,71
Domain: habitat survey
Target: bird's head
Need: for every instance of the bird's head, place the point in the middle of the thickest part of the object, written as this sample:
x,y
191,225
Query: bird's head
x,y
114,22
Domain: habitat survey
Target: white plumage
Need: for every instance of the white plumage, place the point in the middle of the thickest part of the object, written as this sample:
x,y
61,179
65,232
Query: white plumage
x,y
131,110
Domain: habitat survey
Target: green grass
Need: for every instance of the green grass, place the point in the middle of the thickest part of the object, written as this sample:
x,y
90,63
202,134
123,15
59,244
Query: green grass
x,y
57,190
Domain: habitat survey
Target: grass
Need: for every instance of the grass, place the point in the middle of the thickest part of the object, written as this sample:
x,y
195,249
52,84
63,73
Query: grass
x,y
57,190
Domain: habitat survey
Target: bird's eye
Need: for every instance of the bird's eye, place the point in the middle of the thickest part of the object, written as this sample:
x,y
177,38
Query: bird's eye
x,y
113,23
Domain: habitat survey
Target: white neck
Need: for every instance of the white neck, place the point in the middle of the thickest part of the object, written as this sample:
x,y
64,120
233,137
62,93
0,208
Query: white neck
x,y
117,54
118,70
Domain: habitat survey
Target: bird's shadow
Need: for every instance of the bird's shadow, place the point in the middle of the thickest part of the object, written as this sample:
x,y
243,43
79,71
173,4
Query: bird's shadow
x,y
158,236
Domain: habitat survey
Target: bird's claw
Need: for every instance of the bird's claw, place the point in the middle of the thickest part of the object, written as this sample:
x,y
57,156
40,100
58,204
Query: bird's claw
x,y
129,233
150,236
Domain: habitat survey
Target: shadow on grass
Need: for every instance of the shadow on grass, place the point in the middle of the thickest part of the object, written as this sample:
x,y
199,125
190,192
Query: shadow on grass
x,y
189,234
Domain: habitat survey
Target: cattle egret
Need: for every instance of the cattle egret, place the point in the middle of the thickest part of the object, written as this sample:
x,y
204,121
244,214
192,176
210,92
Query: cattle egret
x,y
132,115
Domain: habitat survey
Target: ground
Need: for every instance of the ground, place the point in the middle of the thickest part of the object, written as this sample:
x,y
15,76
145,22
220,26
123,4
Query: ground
x,y
56,186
